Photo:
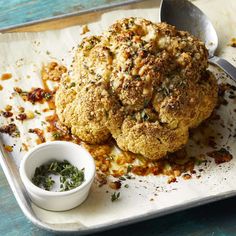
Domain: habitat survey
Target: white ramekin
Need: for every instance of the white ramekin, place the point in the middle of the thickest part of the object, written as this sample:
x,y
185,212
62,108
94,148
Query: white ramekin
x,y
57,150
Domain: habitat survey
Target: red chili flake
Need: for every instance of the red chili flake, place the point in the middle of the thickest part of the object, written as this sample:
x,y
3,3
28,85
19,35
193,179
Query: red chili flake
x,y
7,114
220,156
35,95
38,94
21,116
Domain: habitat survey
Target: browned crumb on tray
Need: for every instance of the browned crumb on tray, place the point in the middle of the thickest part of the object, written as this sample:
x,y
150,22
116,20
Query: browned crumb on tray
x,y
10,129
85,29
233,42
59,131
220,156
35,95
25,116
6,76
8,148
24,147
8,108
1,87
115,185
6,114
39,133
53,71
187,176
100,179
126,163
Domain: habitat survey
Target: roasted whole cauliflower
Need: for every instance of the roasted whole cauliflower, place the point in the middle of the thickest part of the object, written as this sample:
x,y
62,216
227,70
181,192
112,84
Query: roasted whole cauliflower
x,y
145,84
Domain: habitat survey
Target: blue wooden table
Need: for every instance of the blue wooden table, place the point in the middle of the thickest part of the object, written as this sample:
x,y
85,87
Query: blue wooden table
x,y
216,219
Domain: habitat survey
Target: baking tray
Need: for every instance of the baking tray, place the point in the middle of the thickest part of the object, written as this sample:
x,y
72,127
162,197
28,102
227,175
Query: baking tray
x,y
148,196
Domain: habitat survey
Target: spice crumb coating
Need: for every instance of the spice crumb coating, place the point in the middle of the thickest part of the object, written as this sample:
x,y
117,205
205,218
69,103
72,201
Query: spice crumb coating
x,y
144,84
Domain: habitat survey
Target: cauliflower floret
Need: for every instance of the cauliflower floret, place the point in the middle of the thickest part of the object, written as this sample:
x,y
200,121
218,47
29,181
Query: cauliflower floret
x,y
144,84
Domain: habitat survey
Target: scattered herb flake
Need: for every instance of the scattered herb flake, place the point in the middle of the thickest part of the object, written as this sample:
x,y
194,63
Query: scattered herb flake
x,y
115,196
37,112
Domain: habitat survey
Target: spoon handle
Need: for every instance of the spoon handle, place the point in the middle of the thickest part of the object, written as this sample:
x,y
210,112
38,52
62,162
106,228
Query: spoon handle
x,y
227,67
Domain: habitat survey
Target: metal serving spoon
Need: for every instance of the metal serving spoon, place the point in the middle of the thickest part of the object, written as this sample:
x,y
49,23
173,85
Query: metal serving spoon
x,y
186,16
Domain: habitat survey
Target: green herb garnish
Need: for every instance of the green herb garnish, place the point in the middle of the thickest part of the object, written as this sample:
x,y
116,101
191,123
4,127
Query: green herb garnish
x,y
166,90
47,96
56,135
70,176
43,122
198,162
37,112
129,168
72,84
146,102
122,178
115,196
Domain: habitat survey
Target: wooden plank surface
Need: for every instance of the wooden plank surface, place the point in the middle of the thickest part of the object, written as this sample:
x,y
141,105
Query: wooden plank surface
x,y
14,13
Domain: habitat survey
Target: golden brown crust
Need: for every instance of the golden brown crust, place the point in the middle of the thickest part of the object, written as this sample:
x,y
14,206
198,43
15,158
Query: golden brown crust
x,y
145,84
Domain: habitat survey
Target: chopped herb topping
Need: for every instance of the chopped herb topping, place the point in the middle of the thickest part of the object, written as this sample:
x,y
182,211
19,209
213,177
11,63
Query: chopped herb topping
x,y
47,96
70,176
129,168
43,122
37,112
122,178
56,135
